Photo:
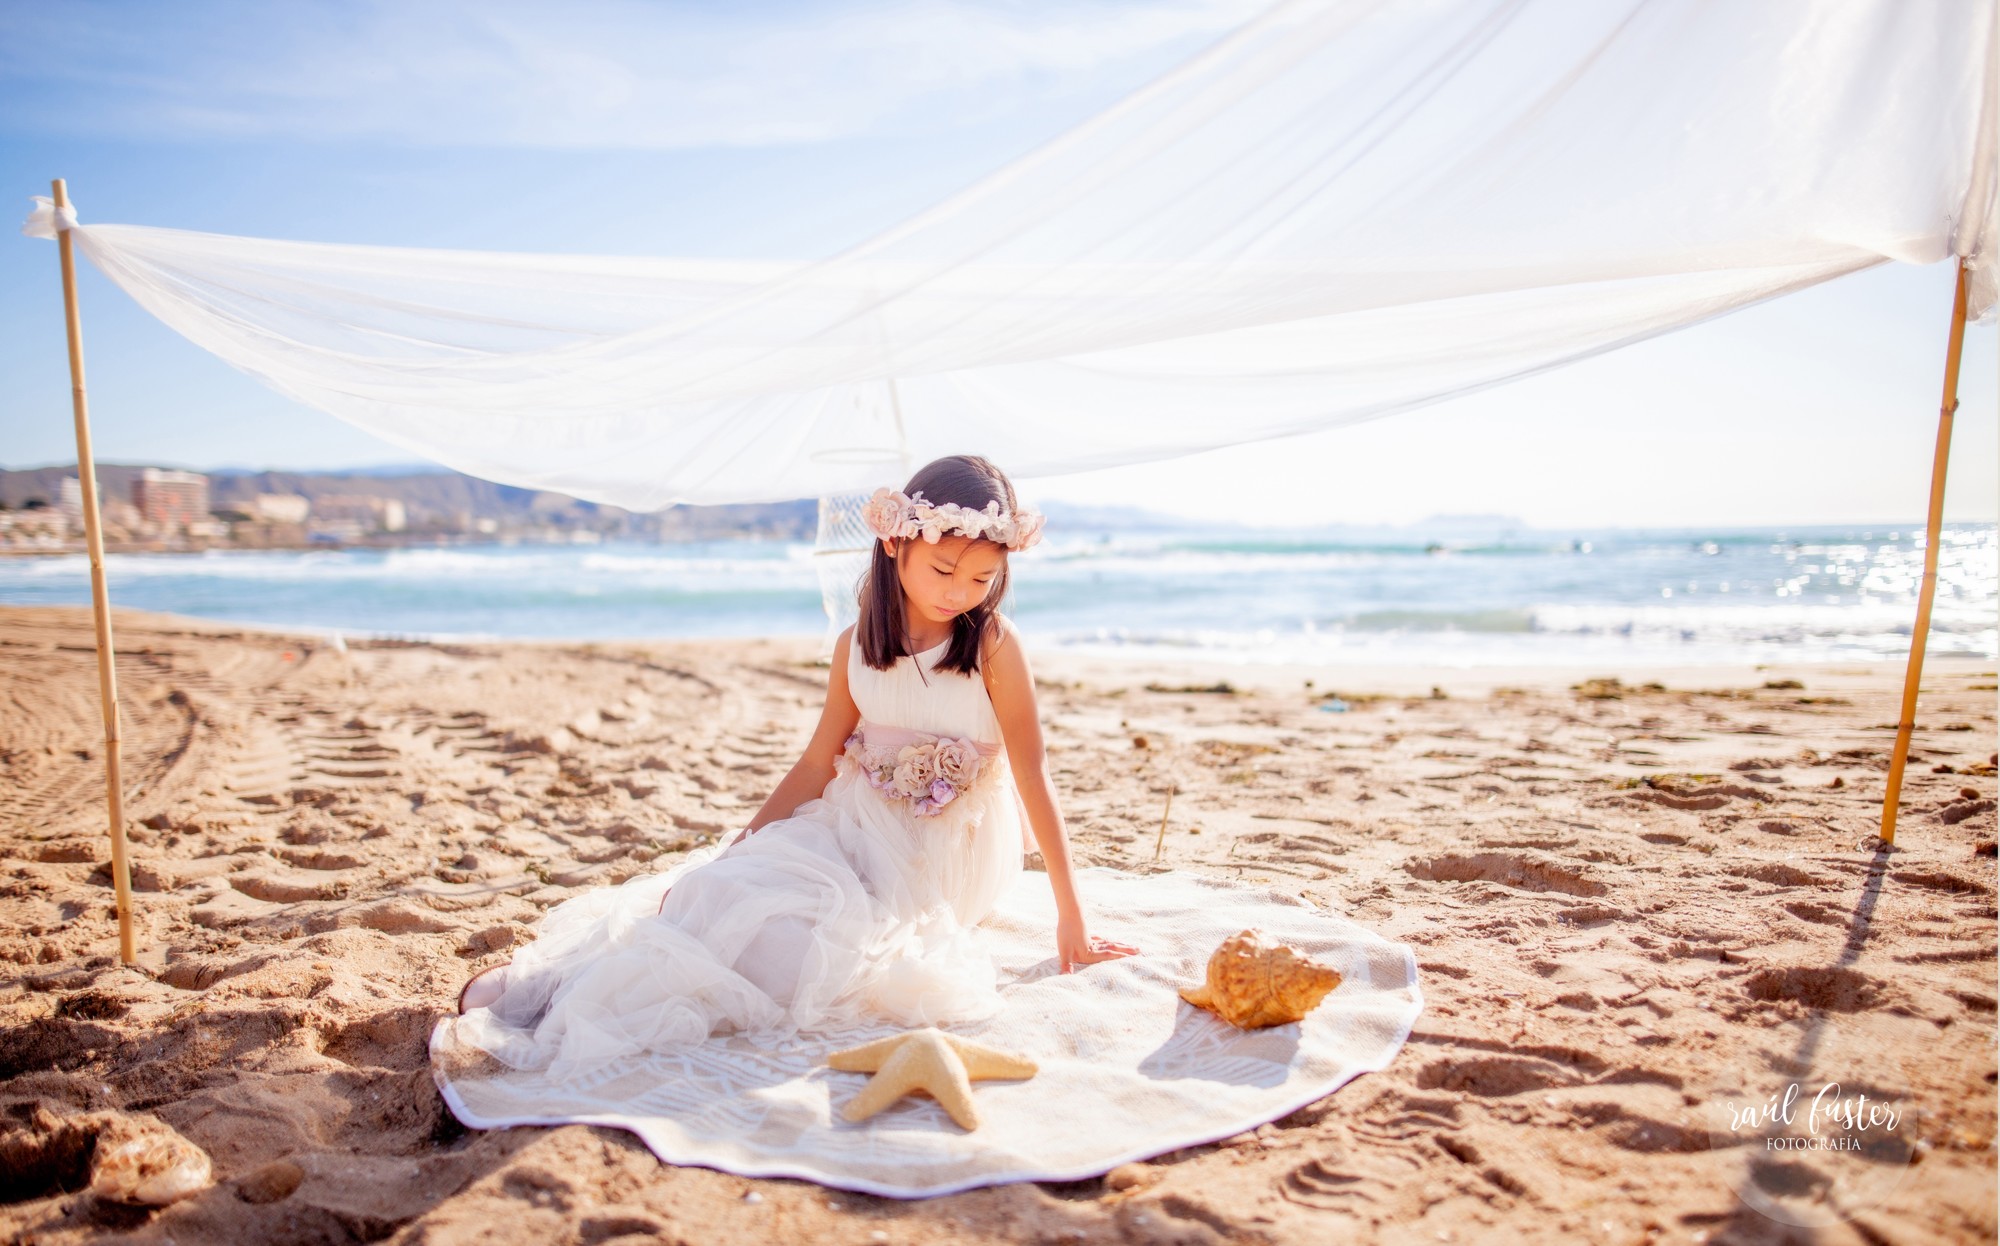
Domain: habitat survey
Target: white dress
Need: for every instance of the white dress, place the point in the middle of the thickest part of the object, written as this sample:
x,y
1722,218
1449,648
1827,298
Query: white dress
x,y
857,909
696,1007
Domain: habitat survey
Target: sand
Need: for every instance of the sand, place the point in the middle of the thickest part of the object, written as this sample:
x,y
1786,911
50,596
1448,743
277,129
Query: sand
x,y
1629,904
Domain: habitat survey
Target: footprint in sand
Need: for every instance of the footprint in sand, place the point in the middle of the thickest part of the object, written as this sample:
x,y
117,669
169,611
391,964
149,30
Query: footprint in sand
x,y
1325,1185
1835,989
1939,881
395,1038
1589,914
1493,1077
1631,1131
1818,914
288,886
1696,799
1779,875
1510,869
1397,1133
320,860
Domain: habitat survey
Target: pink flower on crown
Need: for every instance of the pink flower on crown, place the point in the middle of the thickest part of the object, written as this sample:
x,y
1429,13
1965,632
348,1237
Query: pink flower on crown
x,y
1027,529
884,514
951,517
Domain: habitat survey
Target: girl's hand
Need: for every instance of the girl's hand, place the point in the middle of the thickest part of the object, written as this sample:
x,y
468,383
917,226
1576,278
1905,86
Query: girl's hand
x,y
1075,946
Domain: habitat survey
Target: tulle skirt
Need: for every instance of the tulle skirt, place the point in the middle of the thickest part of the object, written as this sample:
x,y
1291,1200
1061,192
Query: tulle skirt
x,y
848,913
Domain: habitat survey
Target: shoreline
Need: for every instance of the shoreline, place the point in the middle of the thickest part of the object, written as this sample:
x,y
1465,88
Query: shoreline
x,y
1074,661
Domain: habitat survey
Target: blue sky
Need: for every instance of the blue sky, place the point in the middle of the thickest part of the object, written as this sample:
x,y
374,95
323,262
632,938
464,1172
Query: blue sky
x,y
793,129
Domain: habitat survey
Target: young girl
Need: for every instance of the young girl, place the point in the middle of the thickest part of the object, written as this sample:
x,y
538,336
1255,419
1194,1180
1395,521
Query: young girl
x,y
851,897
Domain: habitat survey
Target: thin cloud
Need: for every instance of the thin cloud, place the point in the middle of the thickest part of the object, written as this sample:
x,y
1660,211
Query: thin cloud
x,y
604,74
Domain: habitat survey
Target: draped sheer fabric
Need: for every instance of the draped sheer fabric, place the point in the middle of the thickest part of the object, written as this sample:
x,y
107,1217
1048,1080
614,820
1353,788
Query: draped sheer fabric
x,y
1343,210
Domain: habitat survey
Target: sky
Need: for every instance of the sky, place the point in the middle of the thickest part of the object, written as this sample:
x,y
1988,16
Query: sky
x,y
794,129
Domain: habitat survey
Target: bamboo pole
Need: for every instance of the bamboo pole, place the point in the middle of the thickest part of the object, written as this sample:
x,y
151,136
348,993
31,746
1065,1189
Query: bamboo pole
x,y
1906,722
107,674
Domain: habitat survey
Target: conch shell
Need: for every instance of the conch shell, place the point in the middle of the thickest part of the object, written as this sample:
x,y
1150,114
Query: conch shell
x,y
1253,983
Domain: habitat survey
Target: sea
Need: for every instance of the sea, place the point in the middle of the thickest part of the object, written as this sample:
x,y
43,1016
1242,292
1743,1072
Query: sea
x,y
1454,598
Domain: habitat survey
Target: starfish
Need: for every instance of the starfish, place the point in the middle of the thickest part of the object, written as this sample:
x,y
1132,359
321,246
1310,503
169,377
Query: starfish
x,y
925,1061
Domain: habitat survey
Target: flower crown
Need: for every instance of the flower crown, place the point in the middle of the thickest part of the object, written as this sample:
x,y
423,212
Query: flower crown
x,y
893,515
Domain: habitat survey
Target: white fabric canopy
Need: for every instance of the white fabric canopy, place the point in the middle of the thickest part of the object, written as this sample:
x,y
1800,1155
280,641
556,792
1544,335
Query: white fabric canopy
x,y
1345,209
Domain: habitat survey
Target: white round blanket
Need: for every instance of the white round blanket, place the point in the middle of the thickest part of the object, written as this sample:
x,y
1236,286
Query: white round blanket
x,y
1128,1070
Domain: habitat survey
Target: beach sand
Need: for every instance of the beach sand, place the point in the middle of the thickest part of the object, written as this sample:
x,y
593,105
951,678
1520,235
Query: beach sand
x,y
1629,904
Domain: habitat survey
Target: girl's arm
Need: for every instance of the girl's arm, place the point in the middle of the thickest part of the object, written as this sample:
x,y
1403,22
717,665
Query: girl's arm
x,y
1012,690
813,770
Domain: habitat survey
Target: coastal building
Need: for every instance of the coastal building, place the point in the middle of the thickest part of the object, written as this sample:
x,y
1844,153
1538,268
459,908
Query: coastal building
x,y
281,508
364,511
43,530
121,518
171,499
69,500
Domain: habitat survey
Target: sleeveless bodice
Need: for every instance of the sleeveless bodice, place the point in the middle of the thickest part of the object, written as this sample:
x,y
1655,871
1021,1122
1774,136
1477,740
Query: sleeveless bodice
x,y
933,701
927,742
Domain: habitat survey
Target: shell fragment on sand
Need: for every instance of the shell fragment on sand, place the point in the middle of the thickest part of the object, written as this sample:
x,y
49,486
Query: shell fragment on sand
x,y
926,1061
144,1161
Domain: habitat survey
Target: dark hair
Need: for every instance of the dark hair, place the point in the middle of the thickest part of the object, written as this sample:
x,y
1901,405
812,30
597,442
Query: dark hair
x,y
970,482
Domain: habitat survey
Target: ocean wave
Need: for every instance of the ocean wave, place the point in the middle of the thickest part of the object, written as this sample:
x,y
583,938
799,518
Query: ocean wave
x,y
1777,622
1497,621
1631,597
426,566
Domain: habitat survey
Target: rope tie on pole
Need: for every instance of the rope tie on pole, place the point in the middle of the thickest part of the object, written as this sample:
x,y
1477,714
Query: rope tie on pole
x,y
49,218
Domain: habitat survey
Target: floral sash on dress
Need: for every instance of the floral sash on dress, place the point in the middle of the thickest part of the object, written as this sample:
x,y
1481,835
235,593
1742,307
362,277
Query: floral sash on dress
x,y
925,771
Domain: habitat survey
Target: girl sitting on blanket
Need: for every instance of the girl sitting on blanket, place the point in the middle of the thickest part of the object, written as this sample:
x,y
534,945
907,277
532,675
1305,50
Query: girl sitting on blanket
x,y
851,897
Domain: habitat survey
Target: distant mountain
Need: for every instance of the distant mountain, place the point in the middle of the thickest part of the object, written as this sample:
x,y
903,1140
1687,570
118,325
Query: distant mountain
x,y
378,470
442,501
44,484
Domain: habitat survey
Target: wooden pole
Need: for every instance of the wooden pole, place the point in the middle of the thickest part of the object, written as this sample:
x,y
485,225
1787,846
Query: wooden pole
x,y
1906,722
107,674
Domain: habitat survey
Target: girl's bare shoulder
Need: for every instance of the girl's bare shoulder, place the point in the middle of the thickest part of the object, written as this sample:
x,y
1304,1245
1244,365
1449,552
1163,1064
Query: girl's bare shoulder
x,y
1000,654
842,645
999,633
